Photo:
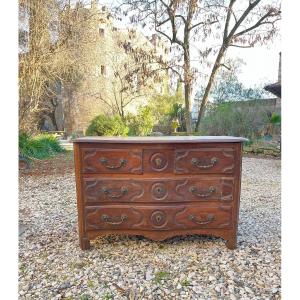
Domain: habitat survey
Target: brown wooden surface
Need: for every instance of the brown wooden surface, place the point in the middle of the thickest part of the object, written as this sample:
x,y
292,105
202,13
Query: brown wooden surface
x,y
152,217
206,160
160,139
164,189
97,160
158,190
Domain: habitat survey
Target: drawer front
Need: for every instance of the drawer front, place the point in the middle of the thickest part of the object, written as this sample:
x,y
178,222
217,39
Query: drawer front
x,y
206,160
95,160
98,191
176,217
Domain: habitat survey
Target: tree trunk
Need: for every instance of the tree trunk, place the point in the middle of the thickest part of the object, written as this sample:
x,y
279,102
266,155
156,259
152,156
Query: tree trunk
x,y
187,96
187,91
53,118
208,87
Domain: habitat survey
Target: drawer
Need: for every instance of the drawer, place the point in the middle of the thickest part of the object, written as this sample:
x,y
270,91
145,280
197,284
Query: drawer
x,y
158,190
157,217
206,160
95,160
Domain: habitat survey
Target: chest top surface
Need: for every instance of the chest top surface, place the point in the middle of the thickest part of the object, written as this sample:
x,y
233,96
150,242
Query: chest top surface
x,y
161,139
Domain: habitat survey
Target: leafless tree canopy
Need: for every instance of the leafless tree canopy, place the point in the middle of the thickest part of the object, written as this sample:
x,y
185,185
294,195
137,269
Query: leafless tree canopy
x,y
229,23
47,56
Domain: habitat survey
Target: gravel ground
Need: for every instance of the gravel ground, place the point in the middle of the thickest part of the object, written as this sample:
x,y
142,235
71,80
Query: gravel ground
x,y
52,266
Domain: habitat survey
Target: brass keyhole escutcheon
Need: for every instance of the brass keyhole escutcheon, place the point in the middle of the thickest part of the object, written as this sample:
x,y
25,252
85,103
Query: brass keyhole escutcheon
x,y
158,219
159,190
158,162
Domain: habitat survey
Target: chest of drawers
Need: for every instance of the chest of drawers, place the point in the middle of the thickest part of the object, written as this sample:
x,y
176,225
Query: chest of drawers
x,y
158,187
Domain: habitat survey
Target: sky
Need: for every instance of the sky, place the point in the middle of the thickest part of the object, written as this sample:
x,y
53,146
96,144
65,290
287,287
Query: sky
x,y
261,63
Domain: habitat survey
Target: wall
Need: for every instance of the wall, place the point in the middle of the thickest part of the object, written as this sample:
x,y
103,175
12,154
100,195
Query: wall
x,y
98,91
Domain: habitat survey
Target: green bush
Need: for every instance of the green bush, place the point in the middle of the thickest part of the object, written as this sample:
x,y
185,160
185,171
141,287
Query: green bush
x,y
103,125
234,118
275,119
142,123
40,146
165,108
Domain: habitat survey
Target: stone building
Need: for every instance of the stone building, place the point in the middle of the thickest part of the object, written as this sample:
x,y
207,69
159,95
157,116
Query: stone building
x,y
111,80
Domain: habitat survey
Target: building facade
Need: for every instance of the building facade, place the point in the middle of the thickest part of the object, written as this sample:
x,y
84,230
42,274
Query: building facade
x,y
119,71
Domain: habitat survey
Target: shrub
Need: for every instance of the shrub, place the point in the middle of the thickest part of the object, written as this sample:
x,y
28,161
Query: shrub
x,y
275,118
165,108
142,123
234,118
40,146
107,126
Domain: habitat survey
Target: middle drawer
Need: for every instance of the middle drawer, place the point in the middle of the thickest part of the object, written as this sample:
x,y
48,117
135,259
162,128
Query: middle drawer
x,y
157,190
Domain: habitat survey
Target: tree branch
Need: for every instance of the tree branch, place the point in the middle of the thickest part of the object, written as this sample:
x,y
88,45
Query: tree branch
x,y
242,18
223,65
240,46
228,16
257,24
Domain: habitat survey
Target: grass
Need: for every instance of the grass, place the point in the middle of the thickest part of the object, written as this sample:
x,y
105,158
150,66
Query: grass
x,y
160,276
85,297
41,146
90,284
107,296
185,282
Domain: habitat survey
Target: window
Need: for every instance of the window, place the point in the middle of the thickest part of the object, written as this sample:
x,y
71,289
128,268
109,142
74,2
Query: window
x,y
101,32
103,70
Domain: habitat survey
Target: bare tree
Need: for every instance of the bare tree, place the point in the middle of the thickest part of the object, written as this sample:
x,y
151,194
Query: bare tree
x,y
179,22
50,31
243,26
133,70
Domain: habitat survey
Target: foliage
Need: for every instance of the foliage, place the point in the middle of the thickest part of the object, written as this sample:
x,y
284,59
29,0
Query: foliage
x,y
140,124
275,118
167,107
104,125
262,147
40,146
246,119
229,88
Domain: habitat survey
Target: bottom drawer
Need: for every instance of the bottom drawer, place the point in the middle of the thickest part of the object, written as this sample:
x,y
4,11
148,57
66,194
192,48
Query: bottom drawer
x,y
146,217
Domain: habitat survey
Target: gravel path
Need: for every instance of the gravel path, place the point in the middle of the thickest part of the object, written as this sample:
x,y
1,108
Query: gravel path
x,y
52,266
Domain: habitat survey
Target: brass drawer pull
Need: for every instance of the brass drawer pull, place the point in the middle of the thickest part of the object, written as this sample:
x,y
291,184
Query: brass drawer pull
x,y
202,164
109,192
202,194
208,220
114,220
104,162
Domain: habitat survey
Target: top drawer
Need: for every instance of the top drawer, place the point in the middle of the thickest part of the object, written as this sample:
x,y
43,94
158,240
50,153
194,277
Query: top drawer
x,y
95,160
206,160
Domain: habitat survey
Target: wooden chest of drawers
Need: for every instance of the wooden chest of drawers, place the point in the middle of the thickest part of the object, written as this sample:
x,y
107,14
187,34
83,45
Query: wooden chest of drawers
x,y
158,187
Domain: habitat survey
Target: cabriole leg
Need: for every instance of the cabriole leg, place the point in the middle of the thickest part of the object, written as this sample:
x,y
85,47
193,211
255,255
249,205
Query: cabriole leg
x,y
85,243
231,243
